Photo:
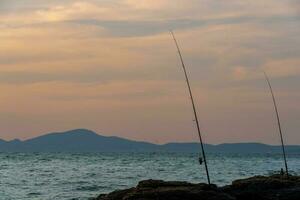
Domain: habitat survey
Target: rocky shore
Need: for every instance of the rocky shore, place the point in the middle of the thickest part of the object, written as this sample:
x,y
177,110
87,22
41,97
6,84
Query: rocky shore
x,y
275,187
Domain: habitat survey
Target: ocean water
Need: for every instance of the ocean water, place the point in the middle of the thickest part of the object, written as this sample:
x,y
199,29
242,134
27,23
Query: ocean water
x,y
65,176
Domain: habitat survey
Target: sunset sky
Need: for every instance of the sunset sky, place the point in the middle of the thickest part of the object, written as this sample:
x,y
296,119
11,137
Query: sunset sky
x,y
111,66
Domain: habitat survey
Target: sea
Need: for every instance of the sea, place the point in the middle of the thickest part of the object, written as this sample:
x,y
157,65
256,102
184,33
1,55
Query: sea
x,y
66,176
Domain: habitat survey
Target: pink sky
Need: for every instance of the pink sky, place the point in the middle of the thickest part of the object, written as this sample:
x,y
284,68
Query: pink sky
x,y
112,67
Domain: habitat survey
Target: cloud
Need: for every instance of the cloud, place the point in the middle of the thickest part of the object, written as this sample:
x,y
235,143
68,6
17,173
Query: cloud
x,y
92,63
283,68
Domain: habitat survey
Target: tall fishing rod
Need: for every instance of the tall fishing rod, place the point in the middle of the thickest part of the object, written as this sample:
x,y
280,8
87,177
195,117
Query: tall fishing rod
x,y
278,122
193,105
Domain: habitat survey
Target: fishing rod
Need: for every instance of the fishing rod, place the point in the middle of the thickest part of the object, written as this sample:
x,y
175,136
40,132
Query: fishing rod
x,y
194,107
278,122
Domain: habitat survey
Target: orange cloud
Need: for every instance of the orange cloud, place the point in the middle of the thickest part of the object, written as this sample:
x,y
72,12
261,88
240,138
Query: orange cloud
x,y
95,64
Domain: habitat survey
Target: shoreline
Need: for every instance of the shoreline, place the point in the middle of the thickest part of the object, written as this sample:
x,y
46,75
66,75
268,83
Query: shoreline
x,y
274,187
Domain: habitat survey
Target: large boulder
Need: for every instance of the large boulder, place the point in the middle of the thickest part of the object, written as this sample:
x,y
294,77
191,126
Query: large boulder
x,y
161,190
275,187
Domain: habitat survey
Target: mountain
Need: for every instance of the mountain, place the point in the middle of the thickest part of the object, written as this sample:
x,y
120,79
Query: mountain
x,y
82,140
79,140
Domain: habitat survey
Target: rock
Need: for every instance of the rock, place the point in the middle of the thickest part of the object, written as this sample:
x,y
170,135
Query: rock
x,y
157,189
274,187
161,190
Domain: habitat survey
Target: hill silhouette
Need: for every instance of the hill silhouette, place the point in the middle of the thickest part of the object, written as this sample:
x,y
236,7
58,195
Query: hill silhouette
x,y
83,140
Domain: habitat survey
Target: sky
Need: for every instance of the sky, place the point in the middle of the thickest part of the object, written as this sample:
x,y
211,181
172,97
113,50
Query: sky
x,y
111,66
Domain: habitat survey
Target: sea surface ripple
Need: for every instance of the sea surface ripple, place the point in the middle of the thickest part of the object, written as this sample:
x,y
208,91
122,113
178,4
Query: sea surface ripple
x,y
66,176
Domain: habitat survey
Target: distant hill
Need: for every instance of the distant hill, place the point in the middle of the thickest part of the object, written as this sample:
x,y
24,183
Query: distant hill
x,y
79,140
82,140
242,148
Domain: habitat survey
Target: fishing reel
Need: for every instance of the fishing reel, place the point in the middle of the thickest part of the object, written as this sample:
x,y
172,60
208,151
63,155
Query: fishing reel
x,y
200,160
